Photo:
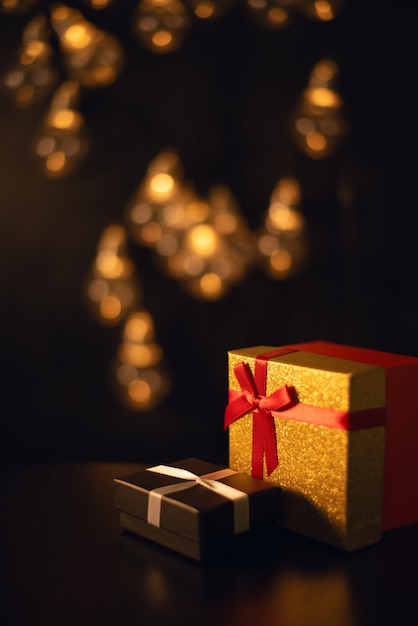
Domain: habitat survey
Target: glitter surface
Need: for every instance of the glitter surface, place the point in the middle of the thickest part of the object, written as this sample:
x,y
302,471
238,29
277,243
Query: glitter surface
x,y
332,479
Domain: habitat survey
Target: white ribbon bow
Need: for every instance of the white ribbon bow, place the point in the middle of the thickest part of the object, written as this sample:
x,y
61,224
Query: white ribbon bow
x,y
239,499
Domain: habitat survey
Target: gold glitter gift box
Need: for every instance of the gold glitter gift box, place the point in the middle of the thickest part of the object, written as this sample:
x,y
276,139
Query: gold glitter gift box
x,y
336,427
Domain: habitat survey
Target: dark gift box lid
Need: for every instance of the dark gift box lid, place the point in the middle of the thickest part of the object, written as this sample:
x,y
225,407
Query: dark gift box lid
x,y
194,510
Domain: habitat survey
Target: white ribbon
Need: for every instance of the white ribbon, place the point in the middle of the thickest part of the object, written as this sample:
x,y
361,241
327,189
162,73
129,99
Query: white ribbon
x,y
209,481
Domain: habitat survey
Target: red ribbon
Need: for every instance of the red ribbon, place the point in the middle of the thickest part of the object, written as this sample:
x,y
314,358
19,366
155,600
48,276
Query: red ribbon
x,y
252,397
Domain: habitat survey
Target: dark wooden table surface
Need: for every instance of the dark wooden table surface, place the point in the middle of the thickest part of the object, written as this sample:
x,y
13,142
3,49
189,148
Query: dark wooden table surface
x,y
65,562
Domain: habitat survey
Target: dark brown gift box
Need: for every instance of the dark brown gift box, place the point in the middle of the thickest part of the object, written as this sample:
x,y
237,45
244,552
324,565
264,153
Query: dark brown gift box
x,y
196,521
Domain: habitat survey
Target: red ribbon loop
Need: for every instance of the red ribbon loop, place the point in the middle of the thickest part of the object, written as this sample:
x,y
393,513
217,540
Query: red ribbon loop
x,y
252,397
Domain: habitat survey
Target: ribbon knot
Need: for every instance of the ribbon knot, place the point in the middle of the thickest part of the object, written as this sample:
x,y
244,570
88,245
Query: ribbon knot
x,y
253,398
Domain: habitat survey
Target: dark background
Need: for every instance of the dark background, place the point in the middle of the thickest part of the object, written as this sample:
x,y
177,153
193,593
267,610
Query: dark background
x,y
223,102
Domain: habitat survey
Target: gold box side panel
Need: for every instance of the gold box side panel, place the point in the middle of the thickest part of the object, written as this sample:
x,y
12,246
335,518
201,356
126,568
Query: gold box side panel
x,y
312,473
332,480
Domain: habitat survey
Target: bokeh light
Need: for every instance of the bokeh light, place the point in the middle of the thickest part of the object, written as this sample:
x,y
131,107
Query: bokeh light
x,y
139,376
321,10
271,14
33,73
283,241
161,25
112,290
93,56
318,124
61,143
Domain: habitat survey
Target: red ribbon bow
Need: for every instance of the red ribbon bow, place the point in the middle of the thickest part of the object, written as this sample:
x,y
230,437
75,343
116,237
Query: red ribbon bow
x,y
253,398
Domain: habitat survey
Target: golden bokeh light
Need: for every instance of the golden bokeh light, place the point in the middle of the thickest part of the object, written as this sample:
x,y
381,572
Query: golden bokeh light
x,y
139,327
140,379
281,261
125,374
99,4
93,56
319,124
77,36
55,162
32,51
33,72
167,244
161,186
204,243
204,10
287,191
211,285
114,236
193,265
323,97
320,10
97,289
110,264
225,223
111,289
60,144
139,392
268,244
151,233
140,355
65,119
316,142
140,213
324,71
197,211
304,125
110,308
324,10
162,38
271,14
277,15
282,241
282,217
210,9
10,5
174,214
161,25
202,240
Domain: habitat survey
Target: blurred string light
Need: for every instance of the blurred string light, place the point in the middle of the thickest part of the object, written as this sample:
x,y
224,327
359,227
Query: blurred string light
x,y
211,9
112,288
161,25
283,241
203,243
95,57
321,10
33,74
318,124
277,14
61,143
16,6
99,5
92,56
139,376
271,14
